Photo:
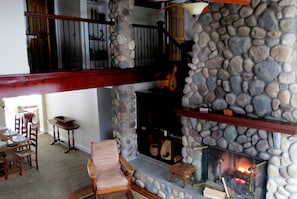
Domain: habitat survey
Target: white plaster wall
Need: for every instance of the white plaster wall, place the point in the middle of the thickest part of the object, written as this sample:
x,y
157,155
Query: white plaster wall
x,y
2,118
150,16
68,7
147,16
80,105
13,51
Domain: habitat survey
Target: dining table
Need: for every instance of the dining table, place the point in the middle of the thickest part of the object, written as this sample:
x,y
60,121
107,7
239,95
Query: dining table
x,y
10,142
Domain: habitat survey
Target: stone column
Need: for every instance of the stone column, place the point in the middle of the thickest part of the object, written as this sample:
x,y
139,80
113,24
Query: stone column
x,y
124,117
122,39
123,54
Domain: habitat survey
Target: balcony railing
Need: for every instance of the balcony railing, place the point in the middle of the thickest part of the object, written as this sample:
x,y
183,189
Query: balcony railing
x,y
63,43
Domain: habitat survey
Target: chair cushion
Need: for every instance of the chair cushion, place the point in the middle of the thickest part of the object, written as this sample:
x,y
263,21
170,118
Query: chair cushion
x,y
105,155
111,178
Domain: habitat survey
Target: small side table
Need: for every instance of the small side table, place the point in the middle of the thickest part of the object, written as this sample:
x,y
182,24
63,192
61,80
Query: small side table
x,y
181,170
69,127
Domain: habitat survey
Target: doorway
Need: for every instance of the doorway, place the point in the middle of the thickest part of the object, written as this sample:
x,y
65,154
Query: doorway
x,y
41,36
23,104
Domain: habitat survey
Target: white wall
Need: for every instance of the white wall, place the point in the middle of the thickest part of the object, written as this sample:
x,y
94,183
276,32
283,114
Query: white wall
x,y
80,105
189,22
68,7
147,16
150,16
13,51
2,118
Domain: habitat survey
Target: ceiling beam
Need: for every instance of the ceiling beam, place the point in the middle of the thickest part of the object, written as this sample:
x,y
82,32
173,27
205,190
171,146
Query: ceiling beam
x,y
42,83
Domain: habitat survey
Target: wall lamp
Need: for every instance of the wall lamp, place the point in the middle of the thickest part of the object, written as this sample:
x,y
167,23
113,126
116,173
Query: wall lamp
x,y
195,8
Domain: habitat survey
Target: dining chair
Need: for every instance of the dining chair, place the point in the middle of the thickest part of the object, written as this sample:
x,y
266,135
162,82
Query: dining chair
x,y
30,151
24,127
17,124
4,165
108,170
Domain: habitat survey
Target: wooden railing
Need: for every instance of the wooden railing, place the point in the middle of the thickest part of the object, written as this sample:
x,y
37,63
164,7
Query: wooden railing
x,y
63,43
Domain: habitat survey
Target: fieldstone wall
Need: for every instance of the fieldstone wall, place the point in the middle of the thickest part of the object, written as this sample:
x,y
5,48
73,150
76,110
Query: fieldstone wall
x,y
244,59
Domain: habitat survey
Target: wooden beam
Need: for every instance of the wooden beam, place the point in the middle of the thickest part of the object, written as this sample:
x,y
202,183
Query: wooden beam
x,y
240,2
42,83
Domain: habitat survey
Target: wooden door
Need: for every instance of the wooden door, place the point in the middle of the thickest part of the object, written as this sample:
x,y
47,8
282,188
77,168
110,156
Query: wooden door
x,y
39,34
176,29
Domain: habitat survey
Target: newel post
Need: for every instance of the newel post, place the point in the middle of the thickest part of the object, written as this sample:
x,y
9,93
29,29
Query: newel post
x,y
160,37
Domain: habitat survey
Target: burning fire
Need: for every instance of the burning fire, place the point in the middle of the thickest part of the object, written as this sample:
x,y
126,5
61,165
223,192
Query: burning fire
x,y
244,165
244,170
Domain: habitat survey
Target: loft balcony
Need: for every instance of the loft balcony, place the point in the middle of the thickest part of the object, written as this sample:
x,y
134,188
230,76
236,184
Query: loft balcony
x,y
63,43
69,53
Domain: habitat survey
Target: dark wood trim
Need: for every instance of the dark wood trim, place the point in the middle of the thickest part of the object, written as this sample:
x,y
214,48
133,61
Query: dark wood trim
x,y
144,192
239,2
257,123
65,17
42,83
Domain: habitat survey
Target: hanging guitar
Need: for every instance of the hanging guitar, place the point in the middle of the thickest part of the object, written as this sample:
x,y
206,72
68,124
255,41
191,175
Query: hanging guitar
x,y
170,82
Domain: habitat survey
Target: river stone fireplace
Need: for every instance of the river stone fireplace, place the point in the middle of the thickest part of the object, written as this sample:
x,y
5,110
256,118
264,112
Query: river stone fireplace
x,y
244,59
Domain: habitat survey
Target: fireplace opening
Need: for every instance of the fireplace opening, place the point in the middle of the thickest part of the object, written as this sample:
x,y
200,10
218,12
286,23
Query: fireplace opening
x,y
244,177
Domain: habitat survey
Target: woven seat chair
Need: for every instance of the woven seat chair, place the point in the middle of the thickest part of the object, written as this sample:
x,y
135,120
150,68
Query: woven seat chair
x,y
107,169
30,151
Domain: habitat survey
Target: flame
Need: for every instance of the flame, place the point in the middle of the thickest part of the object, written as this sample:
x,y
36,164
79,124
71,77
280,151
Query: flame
x,y
243,165
243,170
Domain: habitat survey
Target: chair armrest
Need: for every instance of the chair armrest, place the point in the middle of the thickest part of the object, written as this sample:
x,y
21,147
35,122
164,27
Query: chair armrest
x,y
126,165
91,169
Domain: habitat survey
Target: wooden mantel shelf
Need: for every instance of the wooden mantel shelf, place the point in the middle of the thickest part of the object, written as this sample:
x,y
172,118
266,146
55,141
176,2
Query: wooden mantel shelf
x,y
263,124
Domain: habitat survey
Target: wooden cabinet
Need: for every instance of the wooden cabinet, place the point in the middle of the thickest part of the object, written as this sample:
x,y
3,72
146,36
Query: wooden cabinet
x,y
176,30
158,125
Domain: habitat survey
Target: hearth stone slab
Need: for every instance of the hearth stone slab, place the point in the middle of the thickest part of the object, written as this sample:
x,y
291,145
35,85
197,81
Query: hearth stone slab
x,y
154,175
